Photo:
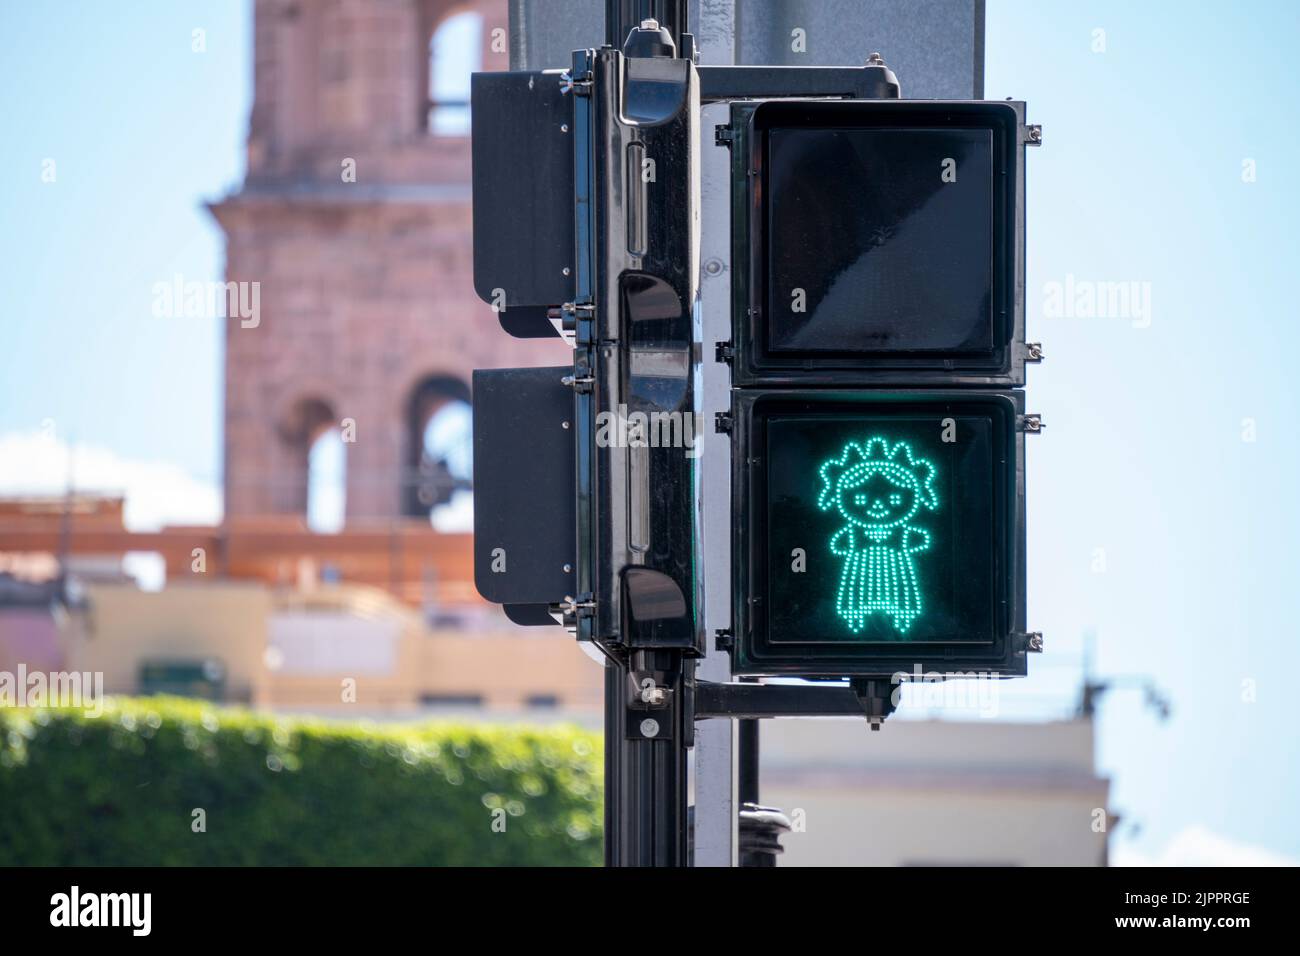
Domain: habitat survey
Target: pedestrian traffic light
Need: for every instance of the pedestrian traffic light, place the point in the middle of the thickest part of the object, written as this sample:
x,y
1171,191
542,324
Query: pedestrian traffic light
x,y
878,241
877,352
876,529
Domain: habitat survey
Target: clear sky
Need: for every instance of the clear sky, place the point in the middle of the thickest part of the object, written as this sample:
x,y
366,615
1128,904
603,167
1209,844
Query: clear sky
x,y
142,131
1163,497
1147,455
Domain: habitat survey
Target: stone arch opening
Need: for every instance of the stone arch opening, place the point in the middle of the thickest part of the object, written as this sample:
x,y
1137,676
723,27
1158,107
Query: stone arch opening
x,y
439,460
327,481
453,50
315,484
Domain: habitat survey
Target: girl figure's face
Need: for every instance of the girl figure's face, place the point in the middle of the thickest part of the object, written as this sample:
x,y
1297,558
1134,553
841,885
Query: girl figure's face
x,y
876,502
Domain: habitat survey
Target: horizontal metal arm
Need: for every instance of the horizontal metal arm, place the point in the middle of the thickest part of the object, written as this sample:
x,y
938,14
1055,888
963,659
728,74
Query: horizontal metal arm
x,y
774,700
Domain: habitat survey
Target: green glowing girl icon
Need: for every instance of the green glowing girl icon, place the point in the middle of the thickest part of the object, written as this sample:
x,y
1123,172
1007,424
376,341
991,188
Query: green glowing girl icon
x,y
877,489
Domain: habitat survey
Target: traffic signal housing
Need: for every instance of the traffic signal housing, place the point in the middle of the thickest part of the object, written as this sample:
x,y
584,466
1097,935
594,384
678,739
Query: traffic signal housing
x,y
877,354
877,530
878,241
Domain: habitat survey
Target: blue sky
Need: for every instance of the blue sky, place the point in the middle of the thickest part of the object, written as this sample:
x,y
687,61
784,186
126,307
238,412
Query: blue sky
x,y
1141,178
142,130
1153,524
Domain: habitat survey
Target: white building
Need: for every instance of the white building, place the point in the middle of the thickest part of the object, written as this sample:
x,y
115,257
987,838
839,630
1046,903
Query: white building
x,y
920,792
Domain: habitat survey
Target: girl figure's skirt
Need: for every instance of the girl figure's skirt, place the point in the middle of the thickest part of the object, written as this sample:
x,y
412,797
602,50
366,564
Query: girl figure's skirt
x,y
878,579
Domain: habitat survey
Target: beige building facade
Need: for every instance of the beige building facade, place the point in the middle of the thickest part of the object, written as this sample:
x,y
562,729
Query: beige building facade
x,y
334,650
930,792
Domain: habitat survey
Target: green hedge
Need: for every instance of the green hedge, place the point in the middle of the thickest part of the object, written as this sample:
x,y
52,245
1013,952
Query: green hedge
x,y
122,788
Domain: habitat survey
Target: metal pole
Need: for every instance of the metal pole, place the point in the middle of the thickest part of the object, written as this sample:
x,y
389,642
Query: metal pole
x,y
717,804
747,760
649,712
615,711
645,779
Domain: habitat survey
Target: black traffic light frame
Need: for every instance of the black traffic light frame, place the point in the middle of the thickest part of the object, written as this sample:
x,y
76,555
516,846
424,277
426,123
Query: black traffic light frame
x,y
755,653
753,364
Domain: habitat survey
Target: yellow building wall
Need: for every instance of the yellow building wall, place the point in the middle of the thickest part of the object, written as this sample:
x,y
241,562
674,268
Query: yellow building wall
x,y
123,626
503,668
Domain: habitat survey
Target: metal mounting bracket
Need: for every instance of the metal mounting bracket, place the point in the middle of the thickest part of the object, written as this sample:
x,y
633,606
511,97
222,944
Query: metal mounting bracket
x,y
579,85
752,701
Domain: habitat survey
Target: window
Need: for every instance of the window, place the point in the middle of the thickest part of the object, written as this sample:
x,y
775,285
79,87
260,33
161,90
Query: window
x,y
439,480
313,443
448,460
455,51
326,482
451,700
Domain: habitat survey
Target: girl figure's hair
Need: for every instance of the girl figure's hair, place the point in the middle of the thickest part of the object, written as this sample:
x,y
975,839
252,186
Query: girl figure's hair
x,y
857,463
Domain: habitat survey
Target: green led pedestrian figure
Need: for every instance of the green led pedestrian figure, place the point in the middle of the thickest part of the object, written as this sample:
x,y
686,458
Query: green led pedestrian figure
x,y
878,490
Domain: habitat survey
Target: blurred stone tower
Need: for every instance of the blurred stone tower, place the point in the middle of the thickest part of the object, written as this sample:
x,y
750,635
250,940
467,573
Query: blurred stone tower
x,y
355,221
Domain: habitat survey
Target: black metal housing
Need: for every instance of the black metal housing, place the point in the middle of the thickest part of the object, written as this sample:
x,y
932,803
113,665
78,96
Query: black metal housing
x,y
754,652
636,183
753,364
522,155
634,136
524,552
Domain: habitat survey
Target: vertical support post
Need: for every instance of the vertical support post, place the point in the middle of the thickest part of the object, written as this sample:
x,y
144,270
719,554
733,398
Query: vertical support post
x,y
634,339
717,803
616,839
645,778
747,760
